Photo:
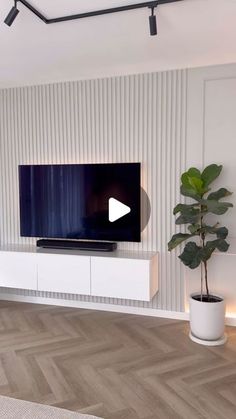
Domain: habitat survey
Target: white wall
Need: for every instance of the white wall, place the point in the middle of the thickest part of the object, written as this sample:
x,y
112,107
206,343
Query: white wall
x,y
124,119
211,138
132,118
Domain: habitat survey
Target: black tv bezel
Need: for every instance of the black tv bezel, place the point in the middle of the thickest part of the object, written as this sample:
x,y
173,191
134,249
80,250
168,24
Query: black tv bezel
x,y
84,238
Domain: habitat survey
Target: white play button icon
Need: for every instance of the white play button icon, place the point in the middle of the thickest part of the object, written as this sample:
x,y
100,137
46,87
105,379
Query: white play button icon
x,y
117,209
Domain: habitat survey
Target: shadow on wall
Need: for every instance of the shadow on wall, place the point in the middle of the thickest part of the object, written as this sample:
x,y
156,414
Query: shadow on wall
x,y
145,209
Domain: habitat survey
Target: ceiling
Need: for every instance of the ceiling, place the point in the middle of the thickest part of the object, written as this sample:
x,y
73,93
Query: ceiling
x,y
191,33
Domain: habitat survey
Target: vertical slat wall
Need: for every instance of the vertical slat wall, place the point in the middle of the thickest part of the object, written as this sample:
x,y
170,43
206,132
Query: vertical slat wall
x,y
121,119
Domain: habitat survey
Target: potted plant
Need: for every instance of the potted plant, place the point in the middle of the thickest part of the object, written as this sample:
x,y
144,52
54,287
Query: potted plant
x,y
207,311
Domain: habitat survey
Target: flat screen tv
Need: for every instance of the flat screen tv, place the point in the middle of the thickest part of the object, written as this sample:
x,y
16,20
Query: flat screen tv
x,y
80,201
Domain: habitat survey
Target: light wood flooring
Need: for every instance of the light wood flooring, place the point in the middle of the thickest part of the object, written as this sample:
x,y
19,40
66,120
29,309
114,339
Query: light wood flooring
x,y
113,365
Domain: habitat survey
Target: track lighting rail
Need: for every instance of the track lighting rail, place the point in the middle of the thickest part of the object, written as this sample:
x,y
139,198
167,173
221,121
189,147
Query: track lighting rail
x,y
90,14
149,4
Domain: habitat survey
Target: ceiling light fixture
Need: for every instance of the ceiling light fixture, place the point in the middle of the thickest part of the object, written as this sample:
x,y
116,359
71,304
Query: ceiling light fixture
x,y
153,23
149,4
11,15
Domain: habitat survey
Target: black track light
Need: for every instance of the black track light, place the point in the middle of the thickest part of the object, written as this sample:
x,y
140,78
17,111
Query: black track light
x,y
153,23
11,15
149,4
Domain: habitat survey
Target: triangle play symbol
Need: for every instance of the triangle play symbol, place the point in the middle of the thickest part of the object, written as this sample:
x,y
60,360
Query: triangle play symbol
x,y
116,209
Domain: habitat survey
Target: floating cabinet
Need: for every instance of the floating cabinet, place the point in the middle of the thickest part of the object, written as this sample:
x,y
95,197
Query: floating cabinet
x,y
119,274
64,273
18,270
134,279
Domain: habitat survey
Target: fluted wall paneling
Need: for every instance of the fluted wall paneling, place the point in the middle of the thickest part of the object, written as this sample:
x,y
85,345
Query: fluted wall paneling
x,y
121,119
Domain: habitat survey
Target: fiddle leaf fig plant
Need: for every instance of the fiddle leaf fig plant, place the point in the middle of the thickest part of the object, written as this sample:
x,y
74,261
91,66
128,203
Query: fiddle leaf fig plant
x,y
202,239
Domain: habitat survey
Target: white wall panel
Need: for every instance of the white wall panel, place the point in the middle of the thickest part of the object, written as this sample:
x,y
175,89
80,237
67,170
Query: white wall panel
x,y
123,119
211,134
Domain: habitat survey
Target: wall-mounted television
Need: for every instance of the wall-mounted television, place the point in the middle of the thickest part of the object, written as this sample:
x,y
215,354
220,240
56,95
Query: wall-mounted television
x,y
72,201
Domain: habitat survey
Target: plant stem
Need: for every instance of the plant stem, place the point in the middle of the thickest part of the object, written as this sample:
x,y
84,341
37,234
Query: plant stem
x,y
201,280
202,239
202,235
206,280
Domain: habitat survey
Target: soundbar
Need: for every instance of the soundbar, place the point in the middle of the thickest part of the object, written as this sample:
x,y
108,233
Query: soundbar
x,y
77,245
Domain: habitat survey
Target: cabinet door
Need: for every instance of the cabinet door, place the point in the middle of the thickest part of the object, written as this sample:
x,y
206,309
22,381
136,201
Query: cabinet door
x,y
18,270
64,273
120,278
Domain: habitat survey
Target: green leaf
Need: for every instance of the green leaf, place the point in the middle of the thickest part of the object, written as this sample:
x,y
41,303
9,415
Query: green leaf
x,y
185,179
190,255
192,184
222,232
197,184
188,187
206,253
177,239
189,192
219,244
182,208
210,173
207,229
221,193
194,172
190,215
216,207
194,228
193,255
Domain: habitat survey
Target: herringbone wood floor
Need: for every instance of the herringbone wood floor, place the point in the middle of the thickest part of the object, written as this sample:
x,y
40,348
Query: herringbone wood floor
x,y
114,365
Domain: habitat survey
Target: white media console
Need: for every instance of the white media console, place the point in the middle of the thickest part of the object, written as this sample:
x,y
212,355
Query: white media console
x,y
118,274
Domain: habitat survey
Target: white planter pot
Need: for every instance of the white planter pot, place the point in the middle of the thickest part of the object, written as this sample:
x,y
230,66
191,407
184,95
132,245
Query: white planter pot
x,y
207,320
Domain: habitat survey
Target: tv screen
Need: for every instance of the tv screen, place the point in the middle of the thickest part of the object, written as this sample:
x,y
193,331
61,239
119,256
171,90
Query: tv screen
x,y
80,201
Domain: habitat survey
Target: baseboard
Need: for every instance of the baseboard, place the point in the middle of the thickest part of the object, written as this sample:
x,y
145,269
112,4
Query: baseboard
x,y
175,315
230,321
96,306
